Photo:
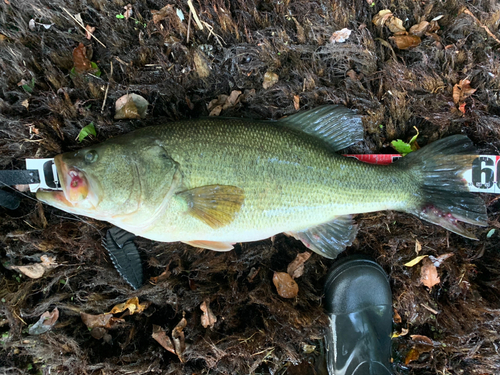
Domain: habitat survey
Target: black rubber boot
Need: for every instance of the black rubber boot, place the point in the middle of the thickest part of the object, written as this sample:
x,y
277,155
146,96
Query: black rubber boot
x,y
359,302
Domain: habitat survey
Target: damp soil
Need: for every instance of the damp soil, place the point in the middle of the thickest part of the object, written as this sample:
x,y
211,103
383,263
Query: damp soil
x,y
180,68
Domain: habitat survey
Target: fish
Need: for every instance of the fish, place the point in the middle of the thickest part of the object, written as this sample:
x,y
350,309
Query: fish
x,y
214,182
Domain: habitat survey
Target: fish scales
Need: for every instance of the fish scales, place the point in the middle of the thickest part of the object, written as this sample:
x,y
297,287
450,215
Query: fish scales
x,y
216,181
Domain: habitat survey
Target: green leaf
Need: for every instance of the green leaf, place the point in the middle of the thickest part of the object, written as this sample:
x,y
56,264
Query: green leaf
x,y
86,131
401,147
97,71
405,148
120,16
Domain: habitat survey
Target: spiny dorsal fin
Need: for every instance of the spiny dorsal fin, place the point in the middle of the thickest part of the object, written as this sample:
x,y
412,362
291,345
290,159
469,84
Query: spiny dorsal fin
x,y
329,239
215,205
336,125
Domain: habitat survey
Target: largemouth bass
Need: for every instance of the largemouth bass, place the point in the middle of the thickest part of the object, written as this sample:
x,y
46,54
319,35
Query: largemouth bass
x,y
216,181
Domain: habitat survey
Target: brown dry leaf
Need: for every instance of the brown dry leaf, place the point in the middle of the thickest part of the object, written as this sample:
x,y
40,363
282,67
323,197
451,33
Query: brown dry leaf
x,y
80,59
2,37
296,267
33,271
270,79
216,111
208,319
381,18
285,285
161,337
232,99
160,15
419,339
419,29
396,317
461,108
163,276
405,41
45,323
462,91
395,25
418,246
296,102
102,320
6,2
423,344
428,273
201,64
89,30
178,337
340,36
131,106
128,11
132,305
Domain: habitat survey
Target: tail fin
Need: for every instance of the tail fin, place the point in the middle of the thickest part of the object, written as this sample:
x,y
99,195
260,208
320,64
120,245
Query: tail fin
x,y
443,197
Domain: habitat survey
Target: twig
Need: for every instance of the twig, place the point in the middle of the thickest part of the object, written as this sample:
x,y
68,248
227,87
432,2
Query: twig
x,y
107,88
189,26
83,27
467,11
218,38
191,8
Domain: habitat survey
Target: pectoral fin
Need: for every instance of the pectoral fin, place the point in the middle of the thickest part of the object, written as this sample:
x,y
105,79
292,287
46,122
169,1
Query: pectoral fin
x,y
329,239
211,245
215,205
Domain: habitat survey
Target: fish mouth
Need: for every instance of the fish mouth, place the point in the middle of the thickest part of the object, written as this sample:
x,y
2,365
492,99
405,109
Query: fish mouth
x,y
74,183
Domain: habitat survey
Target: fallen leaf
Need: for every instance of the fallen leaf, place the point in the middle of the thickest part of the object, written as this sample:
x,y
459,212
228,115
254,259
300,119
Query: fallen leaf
x,y
163,276
6,2
160,15
131,106
89,30
395,25
31,24
132,305
404,332
80,59
208,319
419,339
296,267
461,108
216,111
270,79
102,320
415,261
381,17
418,247
462,91
440,259
423,344
25,103
405,41
396,317
428,274
296,102
232,99
45,323
128,11
86,131
285,285
161,337
178,337
419,29
340,36
33,271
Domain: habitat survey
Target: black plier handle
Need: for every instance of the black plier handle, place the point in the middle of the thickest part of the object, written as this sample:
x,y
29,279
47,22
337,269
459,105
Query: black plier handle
x,y
17,177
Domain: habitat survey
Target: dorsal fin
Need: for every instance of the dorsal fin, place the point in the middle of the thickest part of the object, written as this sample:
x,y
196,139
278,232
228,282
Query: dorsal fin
x,y
336,125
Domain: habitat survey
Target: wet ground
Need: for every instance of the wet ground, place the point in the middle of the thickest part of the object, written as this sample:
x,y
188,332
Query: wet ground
x,y
180,63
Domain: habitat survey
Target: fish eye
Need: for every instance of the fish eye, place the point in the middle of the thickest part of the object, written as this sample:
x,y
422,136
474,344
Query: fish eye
x,y
90,156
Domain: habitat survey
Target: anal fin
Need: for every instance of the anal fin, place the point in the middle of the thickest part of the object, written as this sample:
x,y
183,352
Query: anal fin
x,y
329,239
211,245
215,205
